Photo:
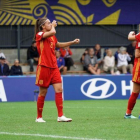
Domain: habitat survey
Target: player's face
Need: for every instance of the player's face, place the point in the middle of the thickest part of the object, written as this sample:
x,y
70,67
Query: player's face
x,y
48,25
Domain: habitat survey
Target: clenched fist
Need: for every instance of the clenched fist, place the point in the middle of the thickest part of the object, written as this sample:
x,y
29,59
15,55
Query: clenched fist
x,y
76,41
132,32
54,23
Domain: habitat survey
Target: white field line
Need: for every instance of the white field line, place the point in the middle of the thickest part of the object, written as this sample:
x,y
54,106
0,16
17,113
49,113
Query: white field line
x,y
47,136
76,107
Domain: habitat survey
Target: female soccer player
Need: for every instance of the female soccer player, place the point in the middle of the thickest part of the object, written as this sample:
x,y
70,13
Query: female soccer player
x,y
47,69
136,76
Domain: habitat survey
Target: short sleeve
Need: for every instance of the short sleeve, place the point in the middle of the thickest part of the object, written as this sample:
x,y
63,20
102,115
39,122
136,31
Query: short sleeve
x,y
39,36
137,37
55,39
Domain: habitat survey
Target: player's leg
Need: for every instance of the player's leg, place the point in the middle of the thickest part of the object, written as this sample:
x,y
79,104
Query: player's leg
x,y
40,103
132,100
58,98
59,103
43,81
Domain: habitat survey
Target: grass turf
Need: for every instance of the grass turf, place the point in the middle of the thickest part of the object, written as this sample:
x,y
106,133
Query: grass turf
x,y
101,119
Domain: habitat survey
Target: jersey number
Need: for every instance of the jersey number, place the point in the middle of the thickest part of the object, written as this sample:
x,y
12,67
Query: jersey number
x,y
51,46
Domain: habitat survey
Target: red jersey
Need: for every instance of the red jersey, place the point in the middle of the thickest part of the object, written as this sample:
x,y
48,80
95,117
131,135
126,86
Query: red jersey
x,y
46,50
137,60
136,68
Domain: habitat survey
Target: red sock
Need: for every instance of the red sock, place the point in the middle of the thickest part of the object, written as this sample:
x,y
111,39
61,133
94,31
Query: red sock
x,y
40,104
59,103
132,102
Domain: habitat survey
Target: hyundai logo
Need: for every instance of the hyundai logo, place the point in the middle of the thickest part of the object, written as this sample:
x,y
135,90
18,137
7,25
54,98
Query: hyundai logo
x,y
90,88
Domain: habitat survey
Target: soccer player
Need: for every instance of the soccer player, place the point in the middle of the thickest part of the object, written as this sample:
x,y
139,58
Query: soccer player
x,y
47,69
136,76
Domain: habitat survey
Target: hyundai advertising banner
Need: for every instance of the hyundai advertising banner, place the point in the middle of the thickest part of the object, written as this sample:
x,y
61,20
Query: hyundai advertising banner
x,y
97,87
87,87
19,89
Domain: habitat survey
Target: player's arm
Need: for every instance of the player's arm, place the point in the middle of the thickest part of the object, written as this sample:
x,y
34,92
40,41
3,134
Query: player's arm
x,y
65,44
132,36
137,53
52,31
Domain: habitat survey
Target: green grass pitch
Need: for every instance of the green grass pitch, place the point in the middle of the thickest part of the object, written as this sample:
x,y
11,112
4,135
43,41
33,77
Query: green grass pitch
x,y
94,119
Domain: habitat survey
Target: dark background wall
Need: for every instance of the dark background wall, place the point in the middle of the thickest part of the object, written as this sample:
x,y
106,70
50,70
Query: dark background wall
x,y
107,36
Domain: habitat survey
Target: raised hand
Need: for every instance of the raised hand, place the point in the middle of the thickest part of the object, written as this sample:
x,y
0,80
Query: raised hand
x,y
54,23
132,32
76,41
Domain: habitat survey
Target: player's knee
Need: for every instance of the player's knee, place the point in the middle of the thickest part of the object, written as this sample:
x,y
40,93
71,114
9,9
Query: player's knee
x,y
59,90
43,92
136,90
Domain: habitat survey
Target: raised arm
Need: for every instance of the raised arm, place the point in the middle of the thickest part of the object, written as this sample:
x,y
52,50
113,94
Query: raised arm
x,y
65,44
49,33
131,36
52,31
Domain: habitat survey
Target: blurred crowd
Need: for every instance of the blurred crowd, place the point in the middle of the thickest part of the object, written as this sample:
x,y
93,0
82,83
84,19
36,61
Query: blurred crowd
x,y
93,60
120,62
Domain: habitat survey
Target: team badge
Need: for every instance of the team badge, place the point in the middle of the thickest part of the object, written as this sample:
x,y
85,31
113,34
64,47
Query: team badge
x,y
41,82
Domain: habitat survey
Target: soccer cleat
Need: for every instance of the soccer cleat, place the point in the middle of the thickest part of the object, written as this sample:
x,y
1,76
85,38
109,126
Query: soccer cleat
x,y
130,117
39,120
64,119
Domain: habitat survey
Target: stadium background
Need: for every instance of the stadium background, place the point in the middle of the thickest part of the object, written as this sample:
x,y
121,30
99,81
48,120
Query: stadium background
x,y
106,22
76,18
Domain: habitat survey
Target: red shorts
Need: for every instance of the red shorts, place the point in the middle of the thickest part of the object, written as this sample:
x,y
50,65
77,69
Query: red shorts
x,y
136,76
47,76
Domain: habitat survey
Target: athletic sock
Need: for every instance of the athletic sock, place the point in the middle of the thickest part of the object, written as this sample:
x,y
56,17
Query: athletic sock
x,y
131,102
40,104
59,103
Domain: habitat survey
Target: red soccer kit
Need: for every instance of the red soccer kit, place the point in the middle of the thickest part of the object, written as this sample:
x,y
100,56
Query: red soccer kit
x,y
136,68
47,69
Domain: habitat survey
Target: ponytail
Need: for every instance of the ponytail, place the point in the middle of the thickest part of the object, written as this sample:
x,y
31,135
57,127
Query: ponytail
x,y
38,25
